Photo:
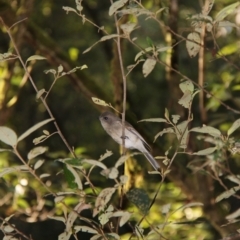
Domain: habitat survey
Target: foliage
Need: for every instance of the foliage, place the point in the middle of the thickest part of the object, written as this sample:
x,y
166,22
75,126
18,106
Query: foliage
x,y
208,150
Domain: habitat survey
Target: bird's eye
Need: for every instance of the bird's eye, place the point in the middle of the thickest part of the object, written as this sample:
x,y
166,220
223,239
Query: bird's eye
x,y
105,118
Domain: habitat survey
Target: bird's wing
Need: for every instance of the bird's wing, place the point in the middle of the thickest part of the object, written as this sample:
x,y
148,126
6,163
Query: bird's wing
x,y
132,130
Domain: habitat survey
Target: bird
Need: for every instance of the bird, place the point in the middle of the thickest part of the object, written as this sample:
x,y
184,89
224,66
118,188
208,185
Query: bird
x,y
112,124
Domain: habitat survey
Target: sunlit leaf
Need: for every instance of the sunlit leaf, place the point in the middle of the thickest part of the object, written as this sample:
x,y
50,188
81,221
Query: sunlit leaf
x,y
95,163
153,120
227,193
104,38
99,102
207,9
175,118
148,66
115,6
226,11
44,175
69,9
113,236
234,127
105,155
233,215
40,93
186,86
166,208
35,57
34,128
128,27
182,133
193,46
8,136
208,130
206,151
36,151
38,164
123,179
164,131
102,200
85,229
186,99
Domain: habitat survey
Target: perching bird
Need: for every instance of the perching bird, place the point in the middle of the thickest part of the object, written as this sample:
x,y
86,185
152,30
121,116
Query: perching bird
x,y
133,140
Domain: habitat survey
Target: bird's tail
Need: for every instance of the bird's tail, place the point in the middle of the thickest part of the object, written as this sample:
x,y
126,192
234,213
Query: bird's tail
x,y
152,160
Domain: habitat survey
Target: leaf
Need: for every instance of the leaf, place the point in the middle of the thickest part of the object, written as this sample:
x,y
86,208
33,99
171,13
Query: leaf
x,y
102,199
104,38
227,193
85,229
69,9
44,175
95,163
60,68
235,179
175,118
99,102
105,155
186,86
206,151
153,120
128,28
233,215
208,8
115,6
40,93
38,164
148,66
233,128
34,128
113,236
36,151
72,177
165,208
74,161
35,57
123,179
8,136
165,130
208,130
186,99
125,217
5,171
193,46
226,11
111,173
139,198
182,134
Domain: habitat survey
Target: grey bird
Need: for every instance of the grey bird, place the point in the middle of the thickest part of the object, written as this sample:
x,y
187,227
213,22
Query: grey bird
x,y
133,140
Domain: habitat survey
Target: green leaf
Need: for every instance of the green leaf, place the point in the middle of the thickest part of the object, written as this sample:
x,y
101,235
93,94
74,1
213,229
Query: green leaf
x,y
69,177
234,127
74,161
140,198
8,136
226,11
34,128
